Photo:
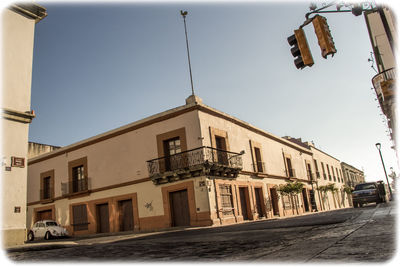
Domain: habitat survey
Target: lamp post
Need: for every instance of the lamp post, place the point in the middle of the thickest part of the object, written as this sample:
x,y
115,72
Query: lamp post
x,y
378,146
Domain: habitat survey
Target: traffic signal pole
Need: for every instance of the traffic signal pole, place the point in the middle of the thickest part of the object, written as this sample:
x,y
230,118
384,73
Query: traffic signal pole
x,y
321,27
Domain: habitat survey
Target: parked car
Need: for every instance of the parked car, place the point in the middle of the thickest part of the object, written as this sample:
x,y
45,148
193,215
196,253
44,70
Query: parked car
x,y
46,229
364,193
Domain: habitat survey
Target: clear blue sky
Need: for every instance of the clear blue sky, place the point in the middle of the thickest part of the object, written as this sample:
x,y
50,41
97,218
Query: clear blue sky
x,y
100,66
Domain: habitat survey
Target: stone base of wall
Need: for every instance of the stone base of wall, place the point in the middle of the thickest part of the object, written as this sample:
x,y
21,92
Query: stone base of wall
x,y
13,237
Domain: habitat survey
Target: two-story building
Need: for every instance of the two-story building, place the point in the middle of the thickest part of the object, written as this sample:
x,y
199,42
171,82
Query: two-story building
x,y
189,166
325,170
352,175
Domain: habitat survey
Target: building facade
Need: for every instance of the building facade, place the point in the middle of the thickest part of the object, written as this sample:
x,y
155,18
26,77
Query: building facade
x,y
325,170
381,26
352,175
188,166
18,25
36,149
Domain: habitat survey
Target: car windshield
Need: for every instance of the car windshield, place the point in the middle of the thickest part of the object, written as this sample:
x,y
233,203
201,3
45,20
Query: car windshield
x,y
364,186
51,224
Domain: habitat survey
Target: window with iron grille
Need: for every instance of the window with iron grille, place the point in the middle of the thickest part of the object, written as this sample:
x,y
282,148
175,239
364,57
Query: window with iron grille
x,y
46,194
257,154
323,170
78,179
225,192
316,169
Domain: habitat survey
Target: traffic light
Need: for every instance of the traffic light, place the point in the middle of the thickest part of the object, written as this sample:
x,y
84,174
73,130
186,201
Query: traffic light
x,y
300,49
324,36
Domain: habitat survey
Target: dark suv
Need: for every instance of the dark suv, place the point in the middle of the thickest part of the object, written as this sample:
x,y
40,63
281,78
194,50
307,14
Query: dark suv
x,y
368,193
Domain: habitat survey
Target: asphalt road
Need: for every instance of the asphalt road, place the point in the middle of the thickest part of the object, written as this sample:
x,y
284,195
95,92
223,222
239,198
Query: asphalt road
x,y
349,235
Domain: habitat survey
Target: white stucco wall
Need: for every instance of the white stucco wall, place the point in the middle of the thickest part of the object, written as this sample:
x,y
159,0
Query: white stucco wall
x,y
17,54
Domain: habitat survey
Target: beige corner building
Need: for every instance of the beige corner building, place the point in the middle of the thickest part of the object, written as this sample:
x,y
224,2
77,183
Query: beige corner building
x,y
18,26
189,166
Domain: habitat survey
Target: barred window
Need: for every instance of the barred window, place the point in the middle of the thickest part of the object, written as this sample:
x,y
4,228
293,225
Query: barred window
x,y
226,199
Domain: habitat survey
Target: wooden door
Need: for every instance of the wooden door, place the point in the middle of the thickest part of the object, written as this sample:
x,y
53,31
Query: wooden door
x,y
305,200
103,220
274,200
171,147
243,202
125,215
259,201
222,155
179,204
44,215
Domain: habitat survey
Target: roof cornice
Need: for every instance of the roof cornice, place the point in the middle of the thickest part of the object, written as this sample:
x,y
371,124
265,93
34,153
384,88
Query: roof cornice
x,y
29,10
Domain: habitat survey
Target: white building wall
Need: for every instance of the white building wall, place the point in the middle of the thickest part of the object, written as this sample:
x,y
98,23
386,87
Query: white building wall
x,y
17,54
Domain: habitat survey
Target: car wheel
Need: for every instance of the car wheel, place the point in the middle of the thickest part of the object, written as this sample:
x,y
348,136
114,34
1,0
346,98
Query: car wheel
x,y
30,236
47,236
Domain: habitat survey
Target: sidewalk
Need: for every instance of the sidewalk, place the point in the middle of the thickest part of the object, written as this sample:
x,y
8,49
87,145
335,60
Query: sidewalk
x,y
120,236
81,240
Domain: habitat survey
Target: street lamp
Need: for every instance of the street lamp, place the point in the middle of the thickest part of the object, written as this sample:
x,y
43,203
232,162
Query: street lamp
x,y
378,146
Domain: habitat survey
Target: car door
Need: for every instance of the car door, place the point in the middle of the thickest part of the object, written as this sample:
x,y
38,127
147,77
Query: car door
x,y
40,230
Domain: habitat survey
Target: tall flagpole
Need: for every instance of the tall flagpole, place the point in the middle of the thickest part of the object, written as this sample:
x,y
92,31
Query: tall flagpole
x,y
184,13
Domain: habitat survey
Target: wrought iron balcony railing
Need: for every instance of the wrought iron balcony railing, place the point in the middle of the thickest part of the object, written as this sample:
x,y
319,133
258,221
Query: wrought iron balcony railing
x,y
75,186
46,194
384,84
194,160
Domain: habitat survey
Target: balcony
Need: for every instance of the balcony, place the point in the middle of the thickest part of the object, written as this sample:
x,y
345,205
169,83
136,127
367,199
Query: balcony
x,y
47,194
75,187
384,83
195,162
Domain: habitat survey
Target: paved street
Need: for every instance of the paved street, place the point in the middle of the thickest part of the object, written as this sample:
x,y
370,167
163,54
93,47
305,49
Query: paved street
x,y
349,235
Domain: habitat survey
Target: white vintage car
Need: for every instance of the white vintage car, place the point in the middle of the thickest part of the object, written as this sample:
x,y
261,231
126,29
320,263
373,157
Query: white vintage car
x,y
46,229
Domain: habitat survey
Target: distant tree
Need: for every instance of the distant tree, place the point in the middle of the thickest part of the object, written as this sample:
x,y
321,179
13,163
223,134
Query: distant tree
x,y
324,189
347,189
291,189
